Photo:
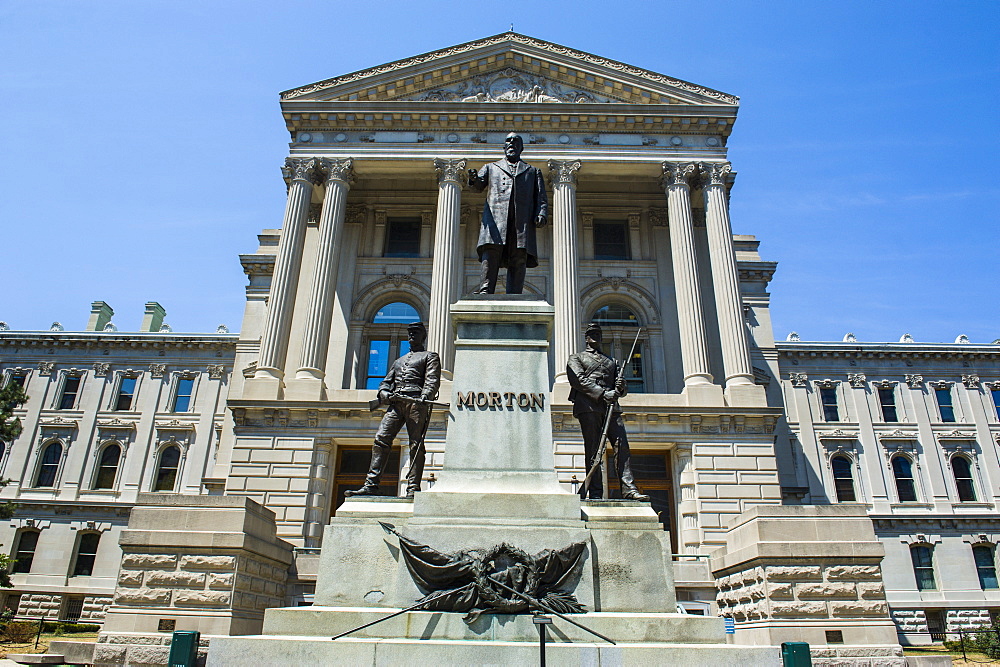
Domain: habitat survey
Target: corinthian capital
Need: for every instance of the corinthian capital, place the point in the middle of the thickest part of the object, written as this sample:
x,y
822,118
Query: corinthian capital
x,y
450,171
715,172
300,169
338,170
677,173
563,172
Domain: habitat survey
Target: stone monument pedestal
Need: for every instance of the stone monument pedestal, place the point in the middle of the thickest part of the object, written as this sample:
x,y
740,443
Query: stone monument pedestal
x,y
497,485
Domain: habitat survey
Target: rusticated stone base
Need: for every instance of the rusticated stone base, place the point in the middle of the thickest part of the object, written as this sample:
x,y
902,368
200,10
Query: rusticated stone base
x,y
137,649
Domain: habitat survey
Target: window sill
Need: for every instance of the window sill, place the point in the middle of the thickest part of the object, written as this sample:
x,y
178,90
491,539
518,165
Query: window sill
x,y
912,506
973,506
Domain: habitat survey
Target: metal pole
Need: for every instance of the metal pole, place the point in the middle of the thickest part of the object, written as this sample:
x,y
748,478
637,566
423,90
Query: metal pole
x,y
541,621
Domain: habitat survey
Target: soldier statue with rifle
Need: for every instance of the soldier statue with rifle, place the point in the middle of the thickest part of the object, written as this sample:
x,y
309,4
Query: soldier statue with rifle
x,y
409,391
597,383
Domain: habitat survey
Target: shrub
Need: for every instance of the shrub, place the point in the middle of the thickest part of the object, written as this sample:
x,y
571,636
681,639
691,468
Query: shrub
x,y
19,632
60,627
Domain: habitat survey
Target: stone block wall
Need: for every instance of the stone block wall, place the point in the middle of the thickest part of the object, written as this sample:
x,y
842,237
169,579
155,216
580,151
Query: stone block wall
x,y
910,620
138,650
186,581
49,606
814,590
967,619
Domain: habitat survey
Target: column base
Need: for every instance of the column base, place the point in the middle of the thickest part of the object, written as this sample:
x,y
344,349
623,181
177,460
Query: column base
x,y
704,395
304,389
263,385
746,396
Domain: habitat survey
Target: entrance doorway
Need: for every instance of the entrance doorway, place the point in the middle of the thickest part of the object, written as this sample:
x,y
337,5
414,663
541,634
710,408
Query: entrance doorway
x,y
352,467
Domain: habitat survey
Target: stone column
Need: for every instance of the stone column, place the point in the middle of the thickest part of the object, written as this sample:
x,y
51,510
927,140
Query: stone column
x,y
440,339
308,384
728,304
300,174
565,258
320,484
694,351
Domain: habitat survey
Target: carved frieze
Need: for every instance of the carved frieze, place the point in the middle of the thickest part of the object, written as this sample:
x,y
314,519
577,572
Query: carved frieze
x,y
508,85
914,381
857,380
971,381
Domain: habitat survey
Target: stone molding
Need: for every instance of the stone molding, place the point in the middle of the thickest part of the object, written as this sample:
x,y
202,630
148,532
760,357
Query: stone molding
x,y
857,380
451,171
515,38
677,174
563,172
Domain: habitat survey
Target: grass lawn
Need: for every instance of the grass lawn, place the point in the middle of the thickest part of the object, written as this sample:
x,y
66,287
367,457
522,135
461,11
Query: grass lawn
x,y
956,656
43,644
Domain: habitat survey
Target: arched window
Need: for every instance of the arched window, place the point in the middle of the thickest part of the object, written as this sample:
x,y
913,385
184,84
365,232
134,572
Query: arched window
x,y
963,479
986,566
843,479
618,324
166,471
387,339
86,554
49,467
27,542
107,467
902,470
923,567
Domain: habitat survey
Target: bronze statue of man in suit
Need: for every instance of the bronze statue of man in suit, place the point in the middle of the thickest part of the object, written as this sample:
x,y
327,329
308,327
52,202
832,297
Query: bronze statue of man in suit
x,y
515,206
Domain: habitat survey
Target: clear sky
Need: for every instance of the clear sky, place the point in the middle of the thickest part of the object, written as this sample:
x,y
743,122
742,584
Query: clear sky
x,y
140,143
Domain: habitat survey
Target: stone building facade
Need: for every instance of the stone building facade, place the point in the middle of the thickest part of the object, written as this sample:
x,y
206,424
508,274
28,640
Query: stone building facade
x,y
380,229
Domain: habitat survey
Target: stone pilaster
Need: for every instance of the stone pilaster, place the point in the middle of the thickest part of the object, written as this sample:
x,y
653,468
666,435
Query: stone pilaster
x,y
691,320
565,256
321,481
266,383
690,537
308,383
447,253
740,387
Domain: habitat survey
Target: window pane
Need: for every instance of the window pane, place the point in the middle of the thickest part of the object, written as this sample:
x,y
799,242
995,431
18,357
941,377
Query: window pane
x,y
378,363
108,469
963,479
945,404
843,478
166,474
125,392
923,568
828,396
996,401
611,240
182,400
615,315
887,398
402,237
70,389
633,372
86,554
25,551
903,472
985,566
396,313
50,465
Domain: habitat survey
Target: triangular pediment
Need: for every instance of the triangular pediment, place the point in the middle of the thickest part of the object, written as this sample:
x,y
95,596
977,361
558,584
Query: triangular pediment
x,y
510,68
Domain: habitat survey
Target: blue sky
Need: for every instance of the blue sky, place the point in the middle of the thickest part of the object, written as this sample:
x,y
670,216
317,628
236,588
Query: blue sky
x,y
140,144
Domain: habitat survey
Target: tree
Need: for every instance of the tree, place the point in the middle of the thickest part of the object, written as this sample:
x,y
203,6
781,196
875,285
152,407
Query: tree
x,y
12,396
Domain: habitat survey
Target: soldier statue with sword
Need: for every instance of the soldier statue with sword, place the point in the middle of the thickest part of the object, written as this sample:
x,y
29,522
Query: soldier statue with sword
x,y
409,391
597,383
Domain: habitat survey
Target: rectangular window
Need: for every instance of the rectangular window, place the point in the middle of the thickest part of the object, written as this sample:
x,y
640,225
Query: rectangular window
x,y
73,609
923,568
831,411
20,379
633,372
945,405
402,237
378,363
986,567
86,554
996,401
126,391
611,240
182,399
25,554
71,387
887,399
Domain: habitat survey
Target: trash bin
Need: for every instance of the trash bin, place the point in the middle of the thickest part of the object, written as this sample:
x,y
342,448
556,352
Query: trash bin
x,y
184,649
794,654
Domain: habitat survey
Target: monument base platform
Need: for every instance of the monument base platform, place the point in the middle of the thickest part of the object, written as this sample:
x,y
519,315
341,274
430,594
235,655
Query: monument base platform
x,y
288,650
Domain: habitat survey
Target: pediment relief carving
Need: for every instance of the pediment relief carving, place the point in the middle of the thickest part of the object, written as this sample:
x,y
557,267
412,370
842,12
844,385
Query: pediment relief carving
x,y
508,85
